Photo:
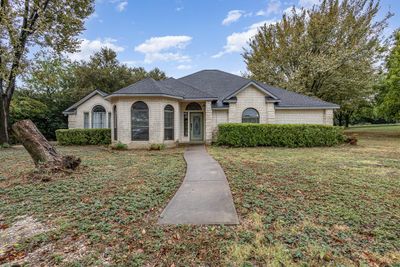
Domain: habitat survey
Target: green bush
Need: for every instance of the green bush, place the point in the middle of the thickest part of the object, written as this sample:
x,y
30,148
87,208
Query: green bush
x,y
119,146
157,147
83,136
279,135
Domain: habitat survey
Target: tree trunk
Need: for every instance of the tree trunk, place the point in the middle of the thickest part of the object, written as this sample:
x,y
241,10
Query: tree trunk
x,y
4,138
42,152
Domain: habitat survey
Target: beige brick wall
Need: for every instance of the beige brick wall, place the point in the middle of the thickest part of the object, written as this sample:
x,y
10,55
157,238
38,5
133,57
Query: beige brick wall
x,y
251,97
304,116
76,121
156,107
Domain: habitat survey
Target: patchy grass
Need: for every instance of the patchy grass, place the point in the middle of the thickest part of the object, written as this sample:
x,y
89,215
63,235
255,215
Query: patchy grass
x,y
375,130
316,206
312,206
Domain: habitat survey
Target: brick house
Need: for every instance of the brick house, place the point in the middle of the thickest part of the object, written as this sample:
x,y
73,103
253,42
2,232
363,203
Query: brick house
x,y
189,109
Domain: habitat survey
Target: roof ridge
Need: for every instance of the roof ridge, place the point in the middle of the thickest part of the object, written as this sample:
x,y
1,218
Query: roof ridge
x,y
194,87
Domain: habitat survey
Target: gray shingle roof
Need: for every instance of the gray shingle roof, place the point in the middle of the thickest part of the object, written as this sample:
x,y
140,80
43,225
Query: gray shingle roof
x,y
169,87
73,108
218,85
223,84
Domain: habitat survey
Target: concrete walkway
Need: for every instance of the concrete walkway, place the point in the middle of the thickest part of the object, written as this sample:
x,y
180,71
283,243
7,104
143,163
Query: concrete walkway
x,y
204,196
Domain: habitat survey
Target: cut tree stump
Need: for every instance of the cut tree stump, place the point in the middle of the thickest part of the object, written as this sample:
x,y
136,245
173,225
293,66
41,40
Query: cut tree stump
x,y
42,152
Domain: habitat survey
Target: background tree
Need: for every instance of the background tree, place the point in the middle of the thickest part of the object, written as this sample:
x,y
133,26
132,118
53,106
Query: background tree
x,y
104,71
26,23
329,52
53,83
389,105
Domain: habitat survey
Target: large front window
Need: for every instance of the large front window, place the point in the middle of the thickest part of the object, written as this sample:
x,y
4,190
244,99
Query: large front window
x,y
140,121
250,115
98,117
168,123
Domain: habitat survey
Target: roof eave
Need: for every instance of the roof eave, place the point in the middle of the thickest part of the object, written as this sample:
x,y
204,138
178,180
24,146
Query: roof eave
x,y
83,100
307,107
144,95
247,85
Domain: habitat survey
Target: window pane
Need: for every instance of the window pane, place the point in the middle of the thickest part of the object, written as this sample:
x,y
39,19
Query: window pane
x,y
86,120
250,115
168,123
193,106
185,124
169,134
109,120
115,124
140,121
141,134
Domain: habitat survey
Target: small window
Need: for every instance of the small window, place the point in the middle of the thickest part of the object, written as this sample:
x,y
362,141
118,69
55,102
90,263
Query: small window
x,y
168,123
193,106
109,120
115,123
98,117
250,115
185,123
86,120
140,121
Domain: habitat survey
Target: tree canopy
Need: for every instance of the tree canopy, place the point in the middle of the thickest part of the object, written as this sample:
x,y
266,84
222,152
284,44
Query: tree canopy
x,y
46,24
330,52
389,105
53,83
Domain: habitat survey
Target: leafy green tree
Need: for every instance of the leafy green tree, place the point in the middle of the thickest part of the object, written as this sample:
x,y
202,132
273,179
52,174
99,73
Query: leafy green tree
x,y
57,83
49,24
329,52
104,71
390,98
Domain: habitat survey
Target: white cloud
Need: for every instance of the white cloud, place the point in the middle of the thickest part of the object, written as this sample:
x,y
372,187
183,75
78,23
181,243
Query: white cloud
x,y
232,16
308,3
122,5
157,48
237,40
274,7
179,8
184,67
89,47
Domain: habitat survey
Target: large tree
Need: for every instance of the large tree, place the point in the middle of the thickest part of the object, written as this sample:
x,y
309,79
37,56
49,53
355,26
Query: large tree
x,y
104,71
53,83
390,96
329,51
43,24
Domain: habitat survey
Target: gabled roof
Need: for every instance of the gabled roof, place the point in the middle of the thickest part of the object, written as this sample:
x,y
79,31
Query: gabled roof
x,y
72,109
226,85
169,88
211,85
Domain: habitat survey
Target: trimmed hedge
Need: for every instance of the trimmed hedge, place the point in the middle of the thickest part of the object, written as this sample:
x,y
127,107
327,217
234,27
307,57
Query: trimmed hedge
x,y
279,135
83,136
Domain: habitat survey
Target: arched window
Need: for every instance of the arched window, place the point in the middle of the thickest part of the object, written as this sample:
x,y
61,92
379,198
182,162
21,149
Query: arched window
x,y
168,122
140,121
250,115
98,117
115,123
193,106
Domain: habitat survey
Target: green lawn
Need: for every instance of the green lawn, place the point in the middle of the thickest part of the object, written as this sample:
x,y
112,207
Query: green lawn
x,y
315,206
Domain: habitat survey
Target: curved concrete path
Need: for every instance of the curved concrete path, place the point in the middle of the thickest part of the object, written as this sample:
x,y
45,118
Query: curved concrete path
x,y
204,196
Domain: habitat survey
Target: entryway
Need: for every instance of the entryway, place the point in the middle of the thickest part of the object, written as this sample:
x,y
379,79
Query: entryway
x,y
196,126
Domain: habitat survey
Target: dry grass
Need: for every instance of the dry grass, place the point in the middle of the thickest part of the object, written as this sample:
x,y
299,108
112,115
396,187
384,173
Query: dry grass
x,y
310,206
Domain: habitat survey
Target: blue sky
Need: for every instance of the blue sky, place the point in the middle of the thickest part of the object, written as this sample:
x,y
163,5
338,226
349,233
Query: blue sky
x,y
181,37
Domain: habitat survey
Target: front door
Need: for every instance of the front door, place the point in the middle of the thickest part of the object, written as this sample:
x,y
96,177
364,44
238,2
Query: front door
x,y
196,126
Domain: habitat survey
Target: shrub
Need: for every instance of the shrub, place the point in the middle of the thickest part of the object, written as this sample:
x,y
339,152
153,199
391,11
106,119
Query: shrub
x,y
120,146
157,146
83,136
279,135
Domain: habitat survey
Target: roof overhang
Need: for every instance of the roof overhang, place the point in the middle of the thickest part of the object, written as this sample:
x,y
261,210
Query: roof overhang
x,y
72,109
304,107
143,95
255,85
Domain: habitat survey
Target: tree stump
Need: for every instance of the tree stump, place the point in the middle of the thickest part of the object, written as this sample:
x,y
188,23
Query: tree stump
x,y
42,152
